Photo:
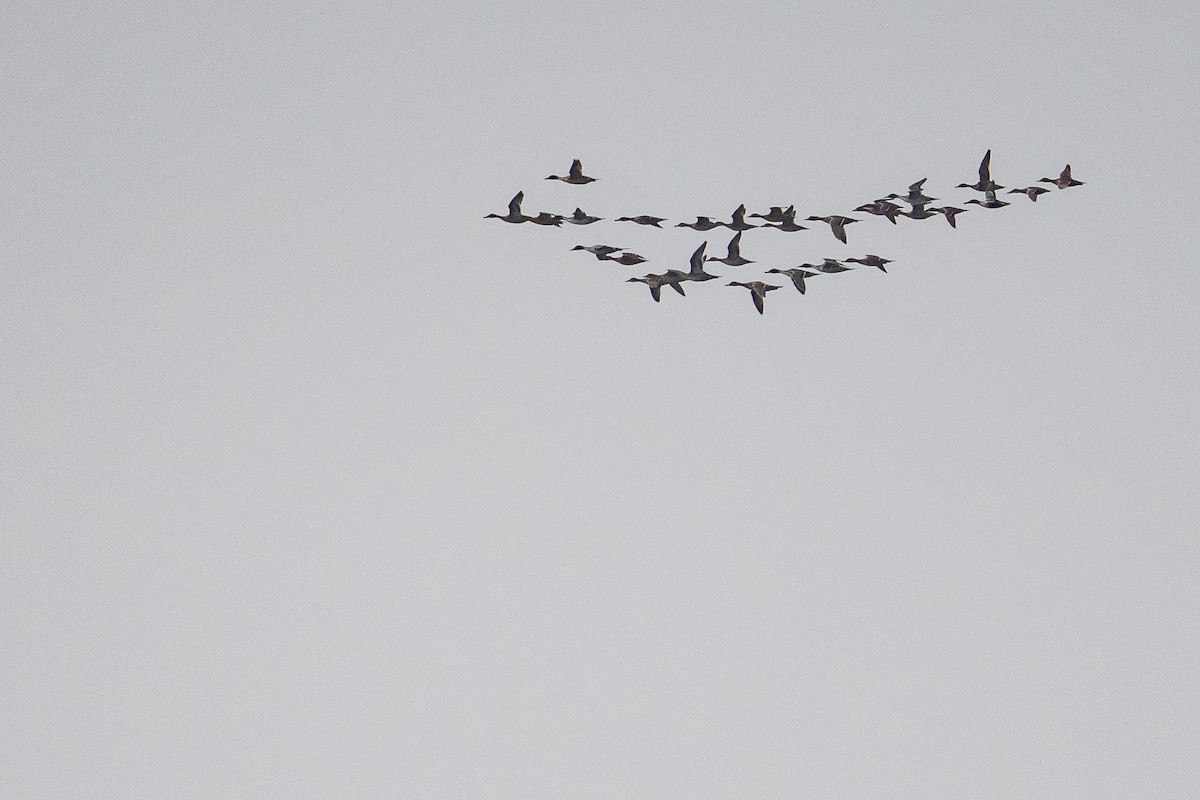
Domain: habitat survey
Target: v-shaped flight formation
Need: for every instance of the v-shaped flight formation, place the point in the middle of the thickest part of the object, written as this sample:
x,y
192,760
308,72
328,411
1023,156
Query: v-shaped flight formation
x,y
914,204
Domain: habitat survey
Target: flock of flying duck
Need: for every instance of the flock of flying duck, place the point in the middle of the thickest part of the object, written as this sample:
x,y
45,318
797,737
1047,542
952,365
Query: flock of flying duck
x,y
916,206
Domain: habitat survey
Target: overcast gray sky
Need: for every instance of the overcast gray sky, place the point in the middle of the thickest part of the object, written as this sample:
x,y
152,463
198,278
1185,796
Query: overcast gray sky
x,y
314,483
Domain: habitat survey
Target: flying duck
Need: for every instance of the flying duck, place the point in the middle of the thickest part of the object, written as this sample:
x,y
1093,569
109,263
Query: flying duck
x,y
776,214
734,256
656,282
871,260
514,210
574,176
758,290
881,208
701,224
1031,192
643,219
915,197
829,266
950,213
919,212
599,250
546,218
697,273
837,224
990,200
739,223
626,259
580,218
1063,180
788,223
796,274
985,184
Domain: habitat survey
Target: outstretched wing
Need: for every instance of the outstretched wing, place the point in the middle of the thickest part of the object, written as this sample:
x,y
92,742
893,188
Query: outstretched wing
x,y
758,300
514,205
697,261
577,169
985,175
735,246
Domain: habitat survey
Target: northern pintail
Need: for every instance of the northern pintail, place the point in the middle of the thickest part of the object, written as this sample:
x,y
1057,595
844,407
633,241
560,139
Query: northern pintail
x,y
626,259
580,218
643,219
950,212
837,224
881,208
734,256
985,183
696,266
574,176
797,274
789,224
656,282
915,197
758,291
546,218
872,260
990,201
775,214
829,266
514,210
599,250
919,212
1063,180
701,224
1031,192
739,223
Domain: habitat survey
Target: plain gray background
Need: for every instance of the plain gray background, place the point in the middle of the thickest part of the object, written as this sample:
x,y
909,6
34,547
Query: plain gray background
x,y
313,483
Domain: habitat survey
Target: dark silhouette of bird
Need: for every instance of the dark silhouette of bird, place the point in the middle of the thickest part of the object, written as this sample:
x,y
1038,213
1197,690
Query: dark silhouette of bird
x,y
574,176
949,212
739,223
696,266
871,260
1031,192
985,182
643,219
775,214
701,224
514,214
733,257
758,291
1063,180
599,250
788,224
881,208
829,266
580,218
797,274
546,218
626,259
837,224
990,201
656,282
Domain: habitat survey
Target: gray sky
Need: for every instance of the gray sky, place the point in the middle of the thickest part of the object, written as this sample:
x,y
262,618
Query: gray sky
x,y
313,483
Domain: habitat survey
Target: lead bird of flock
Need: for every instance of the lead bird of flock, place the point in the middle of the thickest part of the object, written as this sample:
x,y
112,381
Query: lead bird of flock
x,y
781,218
